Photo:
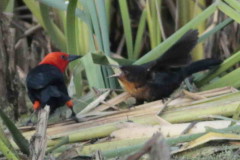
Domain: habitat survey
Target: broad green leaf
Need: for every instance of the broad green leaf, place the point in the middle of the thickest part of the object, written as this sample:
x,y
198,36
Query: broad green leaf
x,y
72,42
93,72
62,5
55,33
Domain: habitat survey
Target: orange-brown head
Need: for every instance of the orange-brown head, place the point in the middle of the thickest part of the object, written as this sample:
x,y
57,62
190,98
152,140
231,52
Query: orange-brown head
x,y
59,59
134,79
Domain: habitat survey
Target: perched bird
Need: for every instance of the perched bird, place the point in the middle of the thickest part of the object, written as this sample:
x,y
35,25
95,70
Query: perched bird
x,y
159,78
45,82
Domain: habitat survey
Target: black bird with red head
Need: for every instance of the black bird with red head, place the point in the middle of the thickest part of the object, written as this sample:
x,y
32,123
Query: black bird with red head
x,y
45,82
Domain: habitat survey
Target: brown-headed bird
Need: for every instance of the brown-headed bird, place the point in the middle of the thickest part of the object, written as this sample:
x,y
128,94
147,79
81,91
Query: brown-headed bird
x,y
45,82
159,78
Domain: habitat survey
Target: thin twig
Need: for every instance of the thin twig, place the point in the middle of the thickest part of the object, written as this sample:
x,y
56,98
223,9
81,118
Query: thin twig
x,y
189,127
30,31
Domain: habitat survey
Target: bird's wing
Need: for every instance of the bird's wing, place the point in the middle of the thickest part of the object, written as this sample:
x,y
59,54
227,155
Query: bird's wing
x,y
177,55
44,75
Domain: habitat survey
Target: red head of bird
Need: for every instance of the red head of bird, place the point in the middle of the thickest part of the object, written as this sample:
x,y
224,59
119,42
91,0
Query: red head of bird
x,y
59,59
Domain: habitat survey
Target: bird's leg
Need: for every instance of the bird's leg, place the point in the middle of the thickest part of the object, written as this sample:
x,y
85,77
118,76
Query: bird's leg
x,y
164,100
36,107
73,115
30,122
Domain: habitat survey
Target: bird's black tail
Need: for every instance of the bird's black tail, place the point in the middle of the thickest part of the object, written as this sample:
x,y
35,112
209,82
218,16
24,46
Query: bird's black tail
x,y
200,66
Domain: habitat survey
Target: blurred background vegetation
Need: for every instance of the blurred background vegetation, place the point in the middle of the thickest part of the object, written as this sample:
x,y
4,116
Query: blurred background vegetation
x,y
109,31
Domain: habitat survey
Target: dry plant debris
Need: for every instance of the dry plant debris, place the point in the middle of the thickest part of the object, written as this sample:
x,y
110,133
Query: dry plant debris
x,y
120,132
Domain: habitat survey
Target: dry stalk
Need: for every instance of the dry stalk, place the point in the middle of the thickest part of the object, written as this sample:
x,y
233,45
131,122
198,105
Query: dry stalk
x,y
39,139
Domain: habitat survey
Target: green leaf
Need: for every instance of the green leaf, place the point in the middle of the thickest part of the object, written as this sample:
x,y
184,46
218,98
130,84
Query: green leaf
x,y
230,79
127,27
7,152
34,8
227,64
229,11
93,72
62,5
94,20
234,4
71,28
215,29
161,48
140,32
16,134
55,33
72,42
7,6
5,146
101,10
153,13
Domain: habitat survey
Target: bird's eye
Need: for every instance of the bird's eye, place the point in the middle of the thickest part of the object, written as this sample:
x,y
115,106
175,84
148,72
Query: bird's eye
x,y
64,57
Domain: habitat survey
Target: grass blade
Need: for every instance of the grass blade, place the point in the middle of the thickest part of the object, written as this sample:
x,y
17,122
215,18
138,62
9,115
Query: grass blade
x,y
139,37
127,27
230,79
215,29
234,4
71,28
7,152
161,48
229,11
94,20
101,11
227,64
5,146
34,8
16,134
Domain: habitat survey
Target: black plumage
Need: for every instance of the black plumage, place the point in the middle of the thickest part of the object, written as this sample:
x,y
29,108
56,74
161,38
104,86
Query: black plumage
x,y
45,83
159,78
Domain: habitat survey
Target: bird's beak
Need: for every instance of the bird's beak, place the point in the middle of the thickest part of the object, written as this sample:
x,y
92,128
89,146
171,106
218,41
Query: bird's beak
x,y
73,57
115,75
116,67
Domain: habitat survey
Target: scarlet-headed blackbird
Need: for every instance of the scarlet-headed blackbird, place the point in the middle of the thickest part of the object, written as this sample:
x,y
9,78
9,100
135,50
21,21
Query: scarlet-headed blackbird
x,y
45,82
159,78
